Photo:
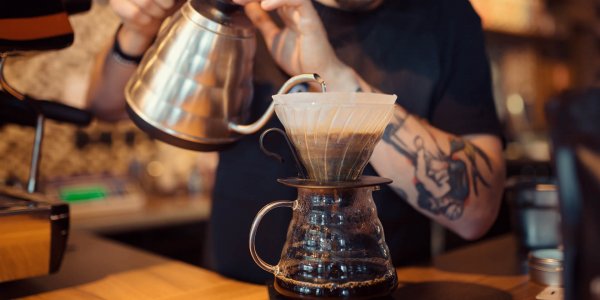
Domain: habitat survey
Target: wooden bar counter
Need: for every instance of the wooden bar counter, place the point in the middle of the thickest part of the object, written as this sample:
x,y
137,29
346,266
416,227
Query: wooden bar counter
x,y
95,268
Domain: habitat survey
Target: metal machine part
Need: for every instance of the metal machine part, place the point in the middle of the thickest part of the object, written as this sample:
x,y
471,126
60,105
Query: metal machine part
x,y
535,212
33,234
33,228
24,110
35,25
546,266
573,118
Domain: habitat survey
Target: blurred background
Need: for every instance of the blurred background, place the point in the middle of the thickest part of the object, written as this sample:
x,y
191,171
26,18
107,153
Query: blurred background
x,y
130,188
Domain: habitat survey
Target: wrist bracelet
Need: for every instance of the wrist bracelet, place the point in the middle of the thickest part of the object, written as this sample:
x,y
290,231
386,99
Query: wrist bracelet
x,y
122,56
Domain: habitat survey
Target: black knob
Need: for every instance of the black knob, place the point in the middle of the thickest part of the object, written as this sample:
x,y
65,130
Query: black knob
x,y
226,6
77,6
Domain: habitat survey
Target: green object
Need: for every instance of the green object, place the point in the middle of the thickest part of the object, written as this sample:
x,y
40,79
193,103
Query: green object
x,y
87,193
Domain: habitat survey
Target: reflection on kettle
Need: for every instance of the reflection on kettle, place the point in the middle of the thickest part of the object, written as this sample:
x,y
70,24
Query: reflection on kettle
x,y
193,87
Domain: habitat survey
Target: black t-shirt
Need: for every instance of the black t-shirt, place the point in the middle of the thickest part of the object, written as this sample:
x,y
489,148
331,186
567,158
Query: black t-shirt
x,y
428,52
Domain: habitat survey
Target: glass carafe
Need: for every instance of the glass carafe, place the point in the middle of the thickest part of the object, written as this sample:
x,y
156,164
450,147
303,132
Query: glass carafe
x,y
335,244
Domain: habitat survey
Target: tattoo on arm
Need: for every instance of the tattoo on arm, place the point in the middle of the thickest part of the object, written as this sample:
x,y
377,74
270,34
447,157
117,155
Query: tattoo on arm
x,y
441,177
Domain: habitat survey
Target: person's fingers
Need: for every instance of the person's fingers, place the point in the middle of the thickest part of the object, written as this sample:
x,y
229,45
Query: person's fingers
x,y
130,13
274,4
151,8
290,17
244,2
262,21
418,142
271,4
165,4
302,17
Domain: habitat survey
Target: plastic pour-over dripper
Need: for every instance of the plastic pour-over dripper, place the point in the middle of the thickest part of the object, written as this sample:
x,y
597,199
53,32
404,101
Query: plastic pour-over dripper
x,y
334,133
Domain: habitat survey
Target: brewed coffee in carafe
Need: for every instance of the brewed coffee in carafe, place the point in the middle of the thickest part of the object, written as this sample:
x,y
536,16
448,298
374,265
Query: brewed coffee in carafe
x,y
335,244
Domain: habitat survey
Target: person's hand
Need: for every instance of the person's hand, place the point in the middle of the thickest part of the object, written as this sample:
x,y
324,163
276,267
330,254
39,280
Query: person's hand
x,y
141,21
302,45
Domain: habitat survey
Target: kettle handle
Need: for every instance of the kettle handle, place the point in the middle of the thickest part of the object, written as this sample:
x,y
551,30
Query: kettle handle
x,y
254,127
251,242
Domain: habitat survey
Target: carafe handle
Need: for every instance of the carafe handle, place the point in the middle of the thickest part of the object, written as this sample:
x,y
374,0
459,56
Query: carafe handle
x,y
254,127
261,263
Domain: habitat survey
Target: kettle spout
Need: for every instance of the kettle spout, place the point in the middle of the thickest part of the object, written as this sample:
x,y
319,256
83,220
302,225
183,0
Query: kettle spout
x,y
286,87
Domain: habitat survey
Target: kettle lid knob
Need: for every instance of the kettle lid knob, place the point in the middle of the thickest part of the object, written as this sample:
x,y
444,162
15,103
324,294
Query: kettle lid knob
x,y
226,13
226,6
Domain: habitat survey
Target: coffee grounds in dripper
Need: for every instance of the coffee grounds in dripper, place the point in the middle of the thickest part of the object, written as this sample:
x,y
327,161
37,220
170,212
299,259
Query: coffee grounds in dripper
x,y
334,134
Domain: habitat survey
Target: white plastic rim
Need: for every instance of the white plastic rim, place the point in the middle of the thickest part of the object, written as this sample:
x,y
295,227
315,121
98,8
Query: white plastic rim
x,y
325,113
334,98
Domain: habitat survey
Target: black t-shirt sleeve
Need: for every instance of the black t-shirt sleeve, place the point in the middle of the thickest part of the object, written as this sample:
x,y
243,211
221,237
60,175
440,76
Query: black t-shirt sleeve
x,y
463,100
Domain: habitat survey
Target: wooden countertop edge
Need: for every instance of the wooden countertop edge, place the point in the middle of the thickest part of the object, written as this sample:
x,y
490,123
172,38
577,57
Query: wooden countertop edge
x,y
179,281
166,281
163,279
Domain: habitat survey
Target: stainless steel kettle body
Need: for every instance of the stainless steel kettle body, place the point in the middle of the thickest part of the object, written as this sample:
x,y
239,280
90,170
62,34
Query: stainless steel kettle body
x,y
195,78
193,88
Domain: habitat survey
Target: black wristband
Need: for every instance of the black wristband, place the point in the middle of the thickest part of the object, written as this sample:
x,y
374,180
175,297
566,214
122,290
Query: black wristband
x,y
122,56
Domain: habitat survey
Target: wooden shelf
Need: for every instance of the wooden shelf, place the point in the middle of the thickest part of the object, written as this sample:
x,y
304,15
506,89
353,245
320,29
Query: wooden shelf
x,y
526,37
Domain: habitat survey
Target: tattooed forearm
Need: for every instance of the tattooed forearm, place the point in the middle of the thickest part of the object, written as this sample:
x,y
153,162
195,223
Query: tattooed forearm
x,y
444,174
389,135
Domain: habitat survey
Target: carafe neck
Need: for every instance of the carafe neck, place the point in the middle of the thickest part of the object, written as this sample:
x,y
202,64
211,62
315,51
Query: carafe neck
x,y
335,197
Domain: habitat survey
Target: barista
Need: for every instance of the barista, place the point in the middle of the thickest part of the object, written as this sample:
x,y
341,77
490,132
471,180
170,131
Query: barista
x,y
443,148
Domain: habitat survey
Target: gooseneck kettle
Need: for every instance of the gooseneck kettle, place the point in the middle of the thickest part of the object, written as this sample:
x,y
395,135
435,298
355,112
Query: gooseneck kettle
x,y
193,88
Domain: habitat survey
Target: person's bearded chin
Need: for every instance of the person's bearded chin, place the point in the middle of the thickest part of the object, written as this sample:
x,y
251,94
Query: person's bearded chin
x,y
358,5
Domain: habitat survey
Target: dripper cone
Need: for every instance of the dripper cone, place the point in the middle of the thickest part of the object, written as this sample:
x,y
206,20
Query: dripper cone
x,y
334,133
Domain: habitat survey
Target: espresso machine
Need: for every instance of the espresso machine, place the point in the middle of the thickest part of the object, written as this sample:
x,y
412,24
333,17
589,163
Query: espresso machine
x,y
33,228
335,246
